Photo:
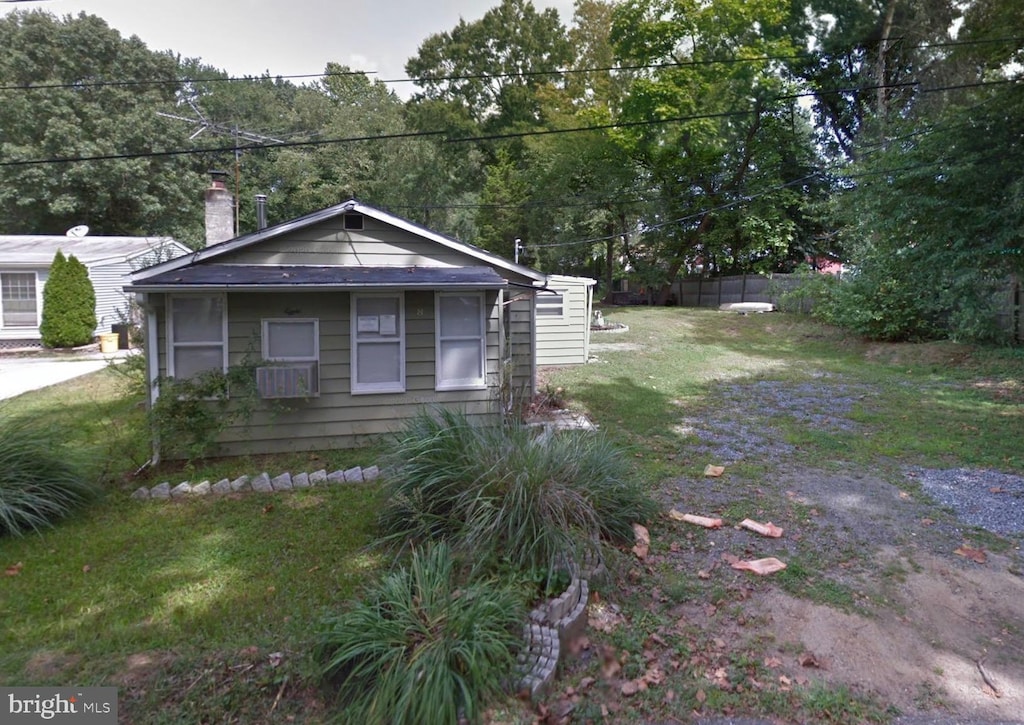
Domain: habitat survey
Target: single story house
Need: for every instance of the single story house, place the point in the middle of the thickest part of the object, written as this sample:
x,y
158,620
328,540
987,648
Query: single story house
x,y
25,265
563,320
357,320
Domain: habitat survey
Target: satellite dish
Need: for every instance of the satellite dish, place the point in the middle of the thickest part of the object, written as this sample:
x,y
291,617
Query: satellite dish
x,y
79,231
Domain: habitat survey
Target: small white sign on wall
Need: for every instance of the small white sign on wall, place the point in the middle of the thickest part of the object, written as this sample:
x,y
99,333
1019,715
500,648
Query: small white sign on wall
x,y
368,323
389,324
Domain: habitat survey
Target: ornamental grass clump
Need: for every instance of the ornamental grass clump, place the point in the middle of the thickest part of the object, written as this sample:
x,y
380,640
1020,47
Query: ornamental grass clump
x,y
40,481
424,646
505,495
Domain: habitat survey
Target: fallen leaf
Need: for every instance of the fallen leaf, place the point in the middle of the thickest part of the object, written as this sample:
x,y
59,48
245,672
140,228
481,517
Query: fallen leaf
x,y
714,471
703,574
904,495
997,489
14,570
772,662
769,565
927,521
86,569
768,529
807,659
275,658
975,555
701,696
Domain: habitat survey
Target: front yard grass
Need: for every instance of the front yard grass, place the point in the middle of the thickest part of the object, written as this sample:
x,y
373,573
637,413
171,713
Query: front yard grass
x,y
197,609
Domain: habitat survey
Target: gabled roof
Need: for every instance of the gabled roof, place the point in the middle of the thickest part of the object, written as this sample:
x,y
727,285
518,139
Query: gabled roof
x,y
141,277
38,250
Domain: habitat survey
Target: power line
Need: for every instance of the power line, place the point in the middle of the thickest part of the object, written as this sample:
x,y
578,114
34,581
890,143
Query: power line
x,y
463,139
478,76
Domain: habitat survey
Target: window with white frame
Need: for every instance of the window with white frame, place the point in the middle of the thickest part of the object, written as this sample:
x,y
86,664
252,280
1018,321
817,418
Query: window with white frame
x,y
197,335
378,343
461,341
551,303
292,347
19,303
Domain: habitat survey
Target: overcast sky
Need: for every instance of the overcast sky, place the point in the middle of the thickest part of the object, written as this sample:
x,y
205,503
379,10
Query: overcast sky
x,y
286,37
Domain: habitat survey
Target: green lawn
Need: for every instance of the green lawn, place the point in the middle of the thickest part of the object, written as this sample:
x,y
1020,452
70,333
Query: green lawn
x,y
220,593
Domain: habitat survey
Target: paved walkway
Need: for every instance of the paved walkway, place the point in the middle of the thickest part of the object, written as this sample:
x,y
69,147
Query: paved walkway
x,y
22,373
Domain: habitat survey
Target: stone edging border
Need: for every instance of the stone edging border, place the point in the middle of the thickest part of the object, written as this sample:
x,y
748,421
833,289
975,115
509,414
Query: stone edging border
x,y
262,483
550,627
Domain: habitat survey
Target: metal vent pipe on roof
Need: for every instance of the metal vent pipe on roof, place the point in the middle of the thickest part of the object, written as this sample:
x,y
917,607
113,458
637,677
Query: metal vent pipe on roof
x,y
261,211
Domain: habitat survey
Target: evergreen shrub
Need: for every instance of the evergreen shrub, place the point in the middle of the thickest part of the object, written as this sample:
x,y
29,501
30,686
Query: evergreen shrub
x,y
69,304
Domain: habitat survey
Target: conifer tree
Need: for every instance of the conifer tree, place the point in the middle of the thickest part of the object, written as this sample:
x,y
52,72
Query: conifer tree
x,y
69,304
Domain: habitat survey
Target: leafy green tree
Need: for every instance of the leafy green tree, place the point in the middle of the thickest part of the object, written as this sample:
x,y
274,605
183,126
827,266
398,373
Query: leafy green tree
x,y
935,223
494,66
69,304
72,87
714,124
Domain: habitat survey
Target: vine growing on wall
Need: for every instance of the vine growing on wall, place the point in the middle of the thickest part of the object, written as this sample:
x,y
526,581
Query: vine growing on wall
x,y
190,414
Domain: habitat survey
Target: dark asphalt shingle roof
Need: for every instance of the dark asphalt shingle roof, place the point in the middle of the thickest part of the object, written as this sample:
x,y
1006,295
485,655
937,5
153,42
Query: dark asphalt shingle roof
x,y
305,277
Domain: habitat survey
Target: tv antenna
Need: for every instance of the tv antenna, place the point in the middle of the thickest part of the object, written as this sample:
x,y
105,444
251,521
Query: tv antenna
x,y
219,129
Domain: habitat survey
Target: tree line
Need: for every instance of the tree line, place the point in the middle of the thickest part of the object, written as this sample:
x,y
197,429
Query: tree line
x,y
645,138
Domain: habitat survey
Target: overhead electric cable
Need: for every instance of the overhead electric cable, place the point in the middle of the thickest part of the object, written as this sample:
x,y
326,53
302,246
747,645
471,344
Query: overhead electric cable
x,y
476,76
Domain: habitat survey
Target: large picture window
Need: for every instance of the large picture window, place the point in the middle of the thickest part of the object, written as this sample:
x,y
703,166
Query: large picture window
x,y
461,341
19,304
197,335
378,344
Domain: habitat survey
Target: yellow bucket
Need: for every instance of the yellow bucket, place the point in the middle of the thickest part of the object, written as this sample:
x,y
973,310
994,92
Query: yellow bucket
x,y
108,342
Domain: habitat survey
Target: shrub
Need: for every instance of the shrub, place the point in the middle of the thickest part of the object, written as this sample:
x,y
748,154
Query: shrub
x,y
503,493
69,304
40,481
423,646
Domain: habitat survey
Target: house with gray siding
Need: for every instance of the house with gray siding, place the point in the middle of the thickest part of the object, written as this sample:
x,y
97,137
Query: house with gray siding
x,y
25,261
356,319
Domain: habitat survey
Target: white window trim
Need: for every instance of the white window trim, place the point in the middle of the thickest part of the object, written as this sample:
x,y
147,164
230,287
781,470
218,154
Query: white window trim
x,y
172,345
385,387
39,301
542,296
460,384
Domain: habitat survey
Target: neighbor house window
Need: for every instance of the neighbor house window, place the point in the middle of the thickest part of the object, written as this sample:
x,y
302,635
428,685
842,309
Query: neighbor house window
x,y
461,341
378,344
293,346
197,338
19,304
551,304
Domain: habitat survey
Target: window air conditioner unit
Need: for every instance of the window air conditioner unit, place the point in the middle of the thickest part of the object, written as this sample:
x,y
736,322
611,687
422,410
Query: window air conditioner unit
x,y
296,380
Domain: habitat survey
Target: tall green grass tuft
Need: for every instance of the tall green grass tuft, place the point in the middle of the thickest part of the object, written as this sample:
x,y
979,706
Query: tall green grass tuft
x,y
40,481
504,494
424,646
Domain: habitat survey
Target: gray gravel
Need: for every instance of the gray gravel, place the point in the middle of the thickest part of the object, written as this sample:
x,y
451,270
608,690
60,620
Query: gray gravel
x,y
742,426
989,499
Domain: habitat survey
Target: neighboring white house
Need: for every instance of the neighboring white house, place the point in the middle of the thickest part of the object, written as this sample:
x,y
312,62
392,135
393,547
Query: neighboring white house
x,y
25,265
563,320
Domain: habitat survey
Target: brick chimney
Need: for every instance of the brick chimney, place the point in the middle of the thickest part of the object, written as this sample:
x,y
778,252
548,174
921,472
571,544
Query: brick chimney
x,y
220,210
